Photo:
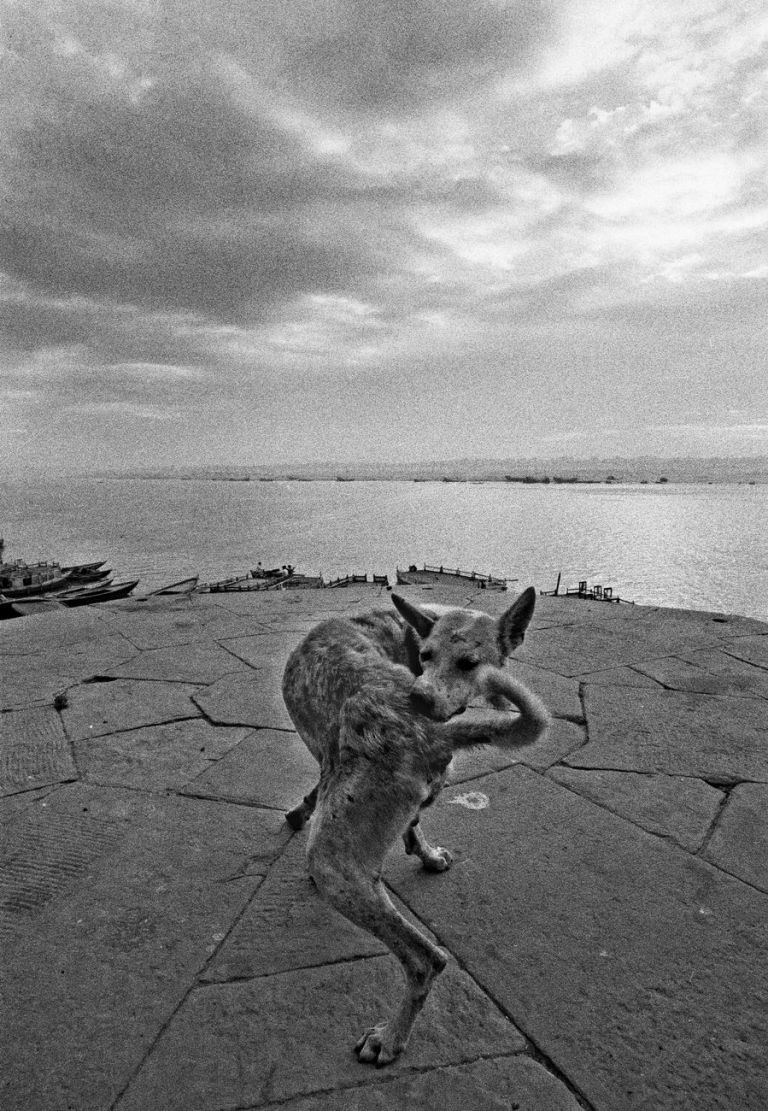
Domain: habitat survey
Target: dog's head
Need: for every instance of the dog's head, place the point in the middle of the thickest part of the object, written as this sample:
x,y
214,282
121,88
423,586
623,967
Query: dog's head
x,y
454,646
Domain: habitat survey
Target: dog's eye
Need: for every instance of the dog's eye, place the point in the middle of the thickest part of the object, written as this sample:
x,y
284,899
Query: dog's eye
x,y
466,664
426,655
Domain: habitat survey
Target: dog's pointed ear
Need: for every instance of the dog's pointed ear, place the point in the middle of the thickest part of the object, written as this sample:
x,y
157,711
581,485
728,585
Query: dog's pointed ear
x,y
417,618
513,623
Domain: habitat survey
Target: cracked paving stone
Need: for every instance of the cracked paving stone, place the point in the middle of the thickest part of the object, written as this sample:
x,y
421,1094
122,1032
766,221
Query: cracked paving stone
x,y
200,662
95,709
268,768
112,900
674,732
709,672
158,757
498,1084
672,806
739,843
638,970
33,750
253,698
219,1051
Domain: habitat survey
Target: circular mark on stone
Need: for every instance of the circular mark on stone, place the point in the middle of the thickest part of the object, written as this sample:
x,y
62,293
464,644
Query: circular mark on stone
x,y
473,800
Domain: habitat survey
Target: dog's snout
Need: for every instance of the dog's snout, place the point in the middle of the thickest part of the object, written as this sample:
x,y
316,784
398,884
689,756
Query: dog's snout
x,y
423,699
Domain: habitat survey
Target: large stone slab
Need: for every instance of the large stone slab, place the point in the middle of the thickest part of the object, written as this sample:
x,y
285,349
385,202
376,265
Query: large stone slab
x,y
619,677
200,662
95,709
264,649
739,843
640,971
578,649
720,739
709,672
287,925
158,758
30,680
253,698
670,806
33,750
81,626
220,1052
114,901
753,649
268,768
499,1084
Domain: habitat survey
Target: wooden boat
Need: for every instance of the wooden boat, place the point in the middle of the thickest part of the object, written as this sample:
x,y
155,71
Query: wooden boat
x,y
426,575
90,595
94,576
28,581
85,568
381,580
183,586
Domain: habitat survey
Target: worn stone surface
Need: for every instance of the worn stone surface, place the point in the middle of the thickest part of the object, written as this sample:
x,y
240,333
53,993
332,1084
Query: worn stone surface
x,y
81,626
671,806
619,677
27,680
95,709
33,750
709,672
159,758
113,900
287,925
219,1052
676,733
200,662
753,649
248,699
269,650
499,1084
639,970
268,768
739,843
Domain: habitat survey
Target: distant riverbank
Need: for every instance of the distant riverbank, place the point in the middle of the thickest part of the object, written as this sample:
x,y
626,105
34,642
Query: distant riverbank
x,y
642,470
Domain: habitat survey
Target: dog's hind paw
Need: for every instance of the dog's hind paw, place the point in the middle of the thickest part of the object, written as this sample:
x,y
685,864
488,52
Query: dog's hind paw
x,y
378,1046
437,859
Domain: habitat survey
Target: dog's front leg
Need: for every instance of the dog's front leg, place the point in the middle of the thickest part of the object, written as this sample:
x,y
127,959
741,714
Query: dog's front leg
x,y
433,857
360,896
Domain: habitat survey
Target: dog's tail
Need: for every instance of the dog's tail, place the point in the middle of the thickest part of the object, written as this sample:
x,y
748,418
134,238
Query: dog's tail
x,y
500,728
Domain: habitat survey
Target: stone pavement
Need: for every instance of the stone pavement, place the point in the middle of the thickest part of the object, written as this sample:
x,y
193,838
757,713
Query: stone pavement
x,y
606,914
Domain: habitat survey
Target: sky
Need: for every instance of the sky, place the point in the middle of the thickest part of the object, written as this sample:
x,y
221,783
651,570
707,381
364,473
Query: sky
x,y
263,232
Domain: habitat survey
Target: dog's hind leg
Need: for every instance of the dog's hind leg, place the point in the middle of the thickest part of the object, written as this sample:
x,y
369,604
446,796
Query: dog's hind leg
x,y
361,897
433,857
300,815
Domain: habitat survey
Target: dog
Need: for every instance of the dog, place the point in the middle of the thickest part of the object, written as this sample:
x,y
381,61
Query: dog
x,y
377,700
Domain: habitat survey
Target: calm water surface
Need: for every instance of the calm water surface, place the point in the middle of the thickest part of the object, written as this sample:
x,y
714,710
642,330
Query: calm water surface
x,y
700,547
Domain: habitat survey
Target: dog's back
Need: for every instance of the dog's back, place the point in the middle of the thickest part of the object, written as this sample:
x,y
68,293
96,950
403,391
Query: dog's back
x,y
335,661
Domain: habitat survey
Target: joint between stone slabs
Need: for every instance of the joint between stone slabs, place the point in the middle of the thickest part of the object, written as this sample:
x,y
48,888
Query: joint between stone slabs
x,y
383,1079
532,1049
726,791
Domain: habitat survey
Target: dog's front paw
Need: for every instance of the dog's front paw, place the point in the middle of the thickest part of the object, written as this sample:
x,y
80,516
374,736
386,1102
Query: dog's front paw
x,y
437,859
378,1046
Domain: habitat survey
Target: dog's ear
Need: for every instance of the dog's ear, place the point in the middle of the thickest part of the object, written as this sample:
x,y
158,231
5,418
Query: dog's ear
x,y
417,618
513,623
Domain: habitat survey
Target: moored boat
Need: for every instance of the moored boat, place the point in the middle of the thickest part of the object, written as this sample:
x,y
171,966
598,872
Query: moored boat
x,y
99,593
183,586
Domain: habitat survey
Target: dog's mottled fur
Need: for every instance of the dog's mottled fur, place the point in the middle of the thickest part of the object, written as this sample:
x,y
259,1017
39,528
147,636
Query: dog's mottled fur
x,y
375,699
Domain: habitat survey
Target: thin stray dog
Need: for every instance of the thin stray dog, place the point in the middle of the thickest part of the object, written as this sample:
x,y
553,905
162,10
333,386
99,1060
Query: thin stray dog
x,y
375,698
